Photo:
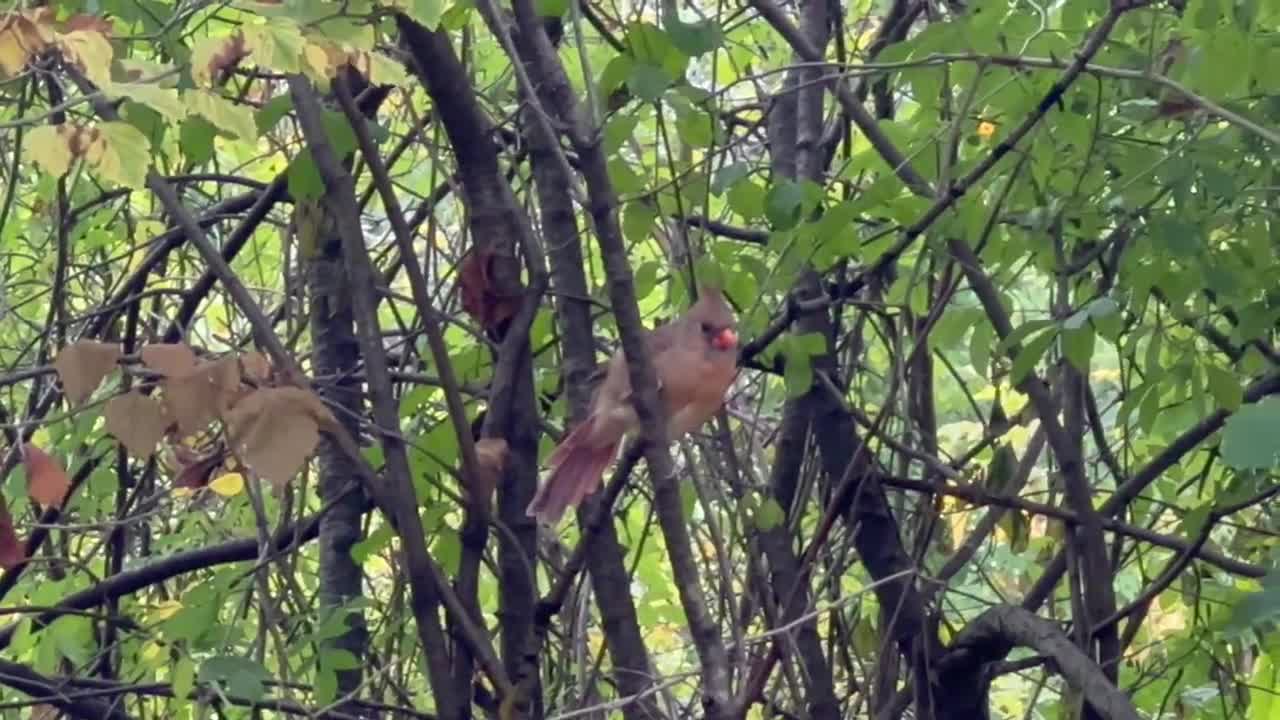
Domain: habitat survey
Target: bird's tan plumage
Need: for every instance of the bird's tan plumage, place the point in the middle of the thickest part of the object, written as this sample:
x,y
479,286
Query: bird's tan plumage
x,y
695,360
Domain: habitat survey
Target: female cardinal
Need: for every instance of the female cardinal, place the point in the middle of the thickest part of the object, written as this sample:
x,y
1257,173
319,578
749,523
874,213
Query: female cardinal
x,y
695,358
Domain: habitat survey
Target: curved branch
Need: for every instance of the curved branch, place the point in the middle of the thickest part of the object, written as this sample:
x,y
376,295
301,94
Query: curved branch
x,y
993,634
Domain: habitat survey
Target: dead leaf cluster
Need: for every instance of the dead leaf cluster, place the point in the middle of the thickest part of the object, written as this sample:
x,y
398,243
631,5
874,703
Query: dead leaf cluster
x,y
271,430
25,35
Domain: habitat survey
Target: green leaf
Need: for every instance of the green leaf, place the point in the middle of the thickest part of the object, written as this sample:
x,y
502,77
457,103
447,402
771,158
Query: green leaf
x,y
1257,608
551,8
447,550
648,82
1020,333
183,679
650,45
783,204
728,176
813,343
272,111
427,13
1031,353
373,543
72,636
1077,345
340,133
457,17
798,372
615,74
618,130
196,140
638,218
1225,387
1249,437
625,180
646,278
336,658
694,39
769,515
747,199
696,127
1182,238
241,676
325,685
980,347
304,177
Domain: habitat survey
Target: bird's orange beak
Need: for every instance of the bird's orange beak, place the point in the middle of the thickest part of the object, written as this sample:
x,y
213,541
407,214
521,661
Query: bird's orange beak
x,y
726,339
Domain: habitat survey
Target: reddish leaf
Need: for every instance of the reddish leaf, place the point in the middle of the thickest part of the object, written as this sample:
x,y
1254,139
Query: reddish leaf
x,y
12,550
193,469
47,482
480,296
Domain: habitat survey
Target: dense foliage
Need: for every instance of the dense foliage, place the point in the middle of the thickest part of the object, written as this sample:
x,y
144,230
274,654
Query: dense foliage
x,y
1003,442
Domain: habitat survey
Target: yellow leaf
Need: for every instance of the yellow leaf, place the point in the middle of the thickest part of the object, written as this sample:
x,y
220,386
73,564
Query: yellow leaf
x,y
163,100
137,70
22,36
385,71
126,154
322,64
152,653
90,52
214,55
48,148
277,46
228,485
165,610
223,114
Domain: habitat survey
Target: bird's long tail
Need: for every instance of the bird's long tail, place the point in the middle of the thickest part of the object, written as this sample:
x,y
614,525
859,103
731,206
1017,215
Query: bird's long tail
x,y
576,469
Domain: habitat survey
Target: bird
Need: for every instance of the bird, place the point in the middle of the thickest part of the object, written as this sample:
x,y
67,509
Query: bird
x,y
695,358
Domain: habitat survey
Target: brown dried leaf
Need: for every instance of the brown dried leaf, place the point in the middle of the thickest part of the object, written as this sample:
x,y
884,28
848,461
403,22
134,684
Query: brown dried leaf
x,y
22,37
198,397
47,482
82,365
491,455
92,23
216,57
480,296
275,430
256,366
169,359
12,550
138,422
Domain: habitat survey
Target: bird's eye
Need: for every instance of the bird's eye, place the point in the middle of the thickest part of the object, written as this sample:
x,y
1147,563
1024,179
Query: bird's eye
x,y
706,327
